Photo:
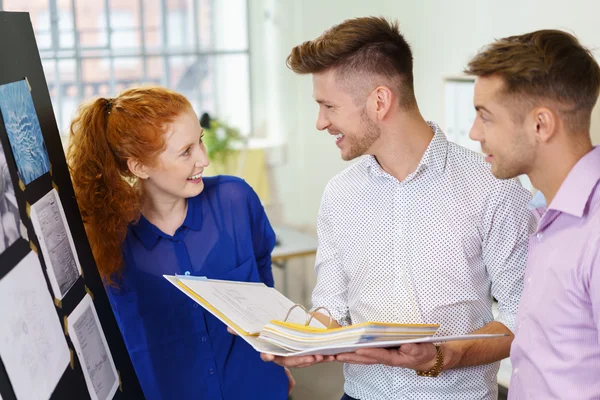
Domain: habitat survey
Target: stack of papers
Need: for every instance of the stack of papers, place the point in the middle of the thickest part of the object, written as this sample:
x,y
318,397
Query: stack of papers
x,y
298,337
271,323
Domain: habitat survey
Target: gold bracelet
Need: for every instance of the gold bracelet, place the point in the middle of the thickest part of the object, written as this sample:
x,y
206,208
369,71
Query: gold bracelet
x,y
437,367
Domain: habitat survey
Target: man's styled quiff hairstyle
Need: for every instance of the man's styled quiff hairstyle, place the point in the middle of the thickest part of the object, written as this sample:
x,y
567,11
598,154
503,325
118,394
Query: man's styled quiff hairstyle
x,y
367,46
546,64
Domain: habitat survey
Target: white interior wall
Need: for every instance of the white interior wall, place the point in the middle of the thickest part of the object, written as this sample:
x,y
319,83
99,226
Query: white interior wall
x,y
443,34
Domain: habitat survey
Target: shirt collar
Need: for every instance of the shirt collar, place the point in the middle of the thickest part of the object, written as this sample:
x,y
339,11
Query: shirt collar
x,y
437,151
149,234
538,205
434,157
538,201
574,193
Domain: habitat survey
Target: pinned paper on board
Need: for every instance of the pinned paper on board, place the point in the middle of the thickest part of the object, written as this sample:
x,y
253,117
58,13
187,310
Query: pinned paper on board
x,y
10,220
24,131
92,350
53,233
33,347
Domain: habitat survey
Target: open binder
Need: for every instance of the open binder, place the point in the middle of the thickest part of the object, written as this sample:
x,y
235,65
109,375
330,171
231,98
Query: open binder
x,y
272,323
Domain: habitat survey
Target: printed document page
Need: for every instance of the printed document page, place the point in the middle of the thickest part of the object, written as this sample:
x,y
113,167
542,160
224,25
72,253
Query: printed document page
x,y
33,347
247,306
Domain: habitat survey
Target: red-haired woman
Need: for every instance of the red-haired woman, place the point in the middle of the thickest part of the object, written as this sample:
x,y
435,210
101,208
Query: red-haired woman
x,y
136,163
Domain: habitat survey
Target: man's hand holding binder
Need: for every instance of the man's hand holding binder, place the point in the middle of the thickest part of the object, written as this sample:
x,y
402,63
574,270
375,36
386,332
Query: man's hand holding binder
x,y
427,357
288,334
304,361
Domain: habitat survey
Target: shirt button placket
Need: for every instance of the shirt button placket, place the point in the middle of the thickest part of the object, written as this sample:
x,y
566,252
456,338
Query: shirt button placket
x,y
212,378
181,252
398,263
183,260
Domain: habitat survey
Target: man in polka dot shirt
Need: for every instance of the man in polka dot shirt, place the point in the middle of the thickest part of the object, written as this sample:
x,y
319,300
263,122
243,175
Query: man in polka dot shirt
x,y
534,96
417,231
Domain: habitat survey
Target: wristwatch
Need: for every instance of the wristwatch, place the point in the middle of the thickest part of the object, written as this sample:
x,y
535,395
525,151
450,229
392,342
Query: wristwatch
x,y
437,367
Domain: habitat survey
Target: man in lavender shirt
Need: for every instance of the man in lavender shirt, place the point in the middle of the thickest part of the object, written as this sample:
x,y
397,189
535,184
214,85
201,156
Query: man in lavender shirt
x,y
534,95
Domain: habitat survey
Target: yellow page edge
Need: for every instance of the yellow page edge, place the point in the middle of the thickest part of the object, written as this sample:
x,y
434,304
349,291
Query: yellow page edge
x,y
295,325
406,335
213,309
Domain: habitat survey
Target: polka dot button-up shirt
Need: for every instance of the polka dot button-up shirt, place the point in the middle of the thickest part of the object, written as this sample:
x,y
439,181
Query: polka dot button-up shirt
x,y
436,247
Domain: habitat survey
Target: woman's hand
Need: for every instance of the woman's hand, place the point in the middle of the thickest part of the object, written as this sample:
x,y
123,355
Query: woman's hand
x,y
291,380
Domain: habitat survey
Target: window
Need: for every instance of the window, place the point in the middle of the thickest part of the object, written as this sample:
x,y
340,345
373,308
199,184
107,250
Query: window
x,y
92,48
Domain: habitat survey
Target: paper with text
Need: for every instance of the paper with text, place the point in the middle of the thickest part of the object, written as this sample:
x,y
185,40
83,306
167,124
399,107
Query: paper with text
x,y
92,350
250,306
53,233
33,347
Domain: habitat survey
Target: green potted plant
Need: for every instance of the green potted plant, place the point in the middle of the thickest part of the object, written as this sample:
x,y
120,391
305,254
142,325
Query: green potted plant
x,y
221,141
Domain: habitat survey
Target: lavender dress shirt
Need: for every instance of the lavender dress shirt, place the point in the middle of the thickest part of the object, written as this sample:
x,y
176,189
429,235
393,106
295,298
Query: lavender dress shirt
x,y
556,351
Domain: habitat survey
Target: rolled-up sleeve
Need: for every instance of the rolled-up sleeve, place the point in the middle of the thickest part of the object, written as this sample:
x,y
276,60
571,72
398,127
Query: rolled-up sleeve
x,y
508,223
332,282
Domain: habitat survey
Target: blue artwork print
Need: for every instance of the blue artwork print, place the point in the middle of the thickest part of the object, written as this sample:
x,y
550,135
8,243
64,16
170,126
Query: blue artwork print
x,y
24,132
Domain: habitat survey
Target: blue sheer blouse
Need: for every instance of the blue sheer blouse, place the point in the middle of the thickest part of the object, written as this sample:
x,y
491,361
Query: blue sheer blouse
x,y
178,350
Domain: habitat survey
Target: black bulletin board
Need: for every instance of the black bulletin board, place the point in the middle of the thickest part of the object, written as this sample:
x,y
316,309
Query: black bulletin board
x,y
21,60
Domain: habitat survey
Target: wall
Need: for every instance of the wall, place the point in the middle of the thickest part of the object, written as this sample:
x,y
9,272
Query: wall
x,y
596,125
443,35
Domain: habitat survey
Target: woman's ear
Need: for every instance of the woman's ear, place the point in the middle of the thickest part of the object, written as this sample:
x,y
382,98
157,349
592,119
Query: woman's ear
x,y
137,168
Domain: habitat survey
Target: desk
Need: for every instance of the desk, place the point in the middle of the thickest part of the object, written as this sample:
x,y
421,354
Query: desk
x,y
292,244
